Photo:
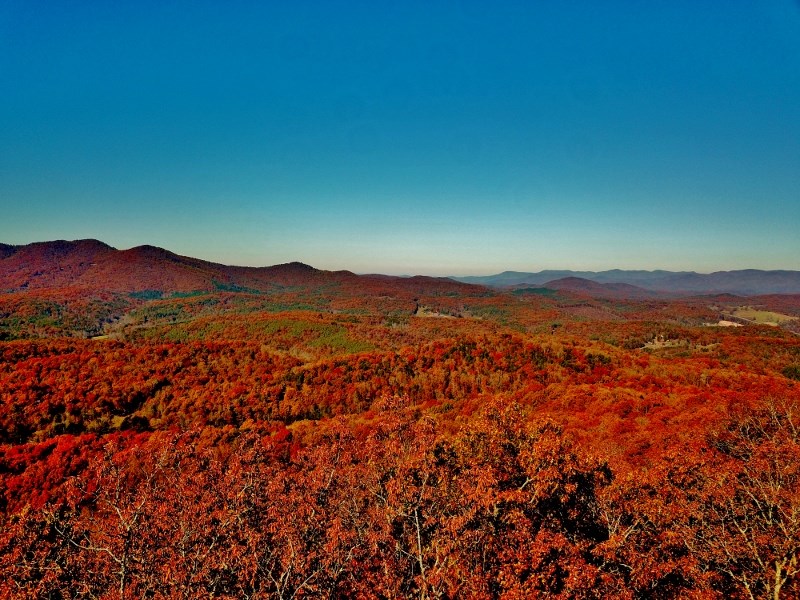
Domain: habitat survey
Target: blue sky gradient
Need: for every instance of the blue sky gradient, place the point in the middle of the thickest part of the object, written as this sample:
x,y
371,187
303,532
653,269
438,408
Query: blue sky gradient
x,y
407,137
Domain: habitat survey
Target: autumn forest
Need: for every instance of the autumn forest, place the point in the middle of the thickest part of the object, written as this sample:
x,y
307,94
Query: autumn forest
x,y
171,428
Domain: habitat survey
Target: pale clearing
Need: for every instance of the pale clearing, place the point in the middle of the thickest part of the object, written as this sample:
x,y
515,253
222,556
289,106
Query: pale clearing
x,y
761,317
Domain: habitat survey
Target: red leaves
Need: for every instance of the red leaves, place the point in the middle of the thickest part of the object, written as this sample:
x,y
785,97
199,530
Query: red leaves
x,y
459,466
504,507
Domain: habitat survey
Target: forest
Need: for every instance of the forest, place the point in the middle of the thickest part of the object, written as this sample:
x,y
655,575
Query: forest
x,y
324,435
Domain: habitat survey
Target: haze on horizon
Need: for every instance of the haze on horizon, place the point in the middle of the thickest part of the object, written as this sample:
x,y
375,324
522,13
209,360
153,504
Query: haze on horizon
x,y
448,138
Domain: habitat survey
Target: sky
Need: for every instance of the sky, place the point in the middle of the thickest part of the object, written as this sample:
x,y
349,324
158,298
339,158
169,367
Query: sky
x,y
413,137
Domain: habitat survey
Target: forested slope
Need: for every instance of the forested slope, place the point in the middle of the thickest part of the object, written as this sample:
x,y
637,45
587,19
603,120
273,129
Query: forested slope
x,y
392,438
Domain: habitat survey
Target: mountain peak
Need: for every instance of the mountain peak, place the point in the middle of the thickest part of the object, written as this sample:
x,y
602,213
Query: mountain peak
x,y
148,250
300,266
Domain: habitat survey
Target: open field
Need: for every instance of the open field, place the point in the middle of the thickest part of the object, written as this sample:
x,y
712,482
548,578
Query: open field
x,y
761,317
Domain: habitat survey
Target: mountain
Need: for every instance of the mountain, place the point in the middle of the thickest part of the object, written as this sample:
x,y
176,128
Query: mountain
x,y
747,282
93,266
517,278
579,285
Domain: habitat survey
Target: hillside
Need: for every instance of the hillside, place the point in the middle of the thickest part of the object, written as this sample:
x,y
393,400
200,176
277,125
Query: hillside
x,y
87,288
287,431
92,266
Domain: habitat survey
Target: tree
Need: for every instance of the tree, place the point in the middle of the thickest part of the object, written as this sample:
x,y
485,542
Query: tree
x,y
750,528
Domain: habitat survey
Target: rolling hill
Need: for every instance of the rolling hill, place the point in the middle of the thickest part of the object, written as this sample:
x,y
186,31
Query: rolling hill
x,y
594,289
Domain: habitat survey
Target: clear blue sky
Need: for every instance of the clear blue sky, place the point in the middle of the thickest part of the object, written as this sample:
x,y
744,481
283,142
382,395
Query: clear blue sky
x,y
407,137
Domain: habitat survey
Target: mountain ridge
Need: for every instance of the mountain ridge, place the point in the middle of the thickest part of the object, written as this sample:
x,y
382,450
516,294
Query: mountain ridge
x,y
747,282
94,265
90,265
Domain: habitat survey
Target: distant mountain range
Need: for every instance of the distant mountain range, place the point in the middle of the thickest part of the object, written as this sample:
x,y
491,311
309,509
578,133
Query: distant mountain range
x,y
93,266
746,282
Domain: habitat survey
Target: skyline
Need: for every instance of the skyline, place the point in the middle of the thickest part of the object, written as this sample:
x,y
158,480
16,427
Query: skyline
x,y
435,139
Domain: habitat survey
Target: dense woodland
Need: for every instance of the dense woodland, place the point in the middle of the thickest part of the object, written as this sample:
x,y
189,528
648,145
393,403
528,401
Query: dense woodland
x,y
386,438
